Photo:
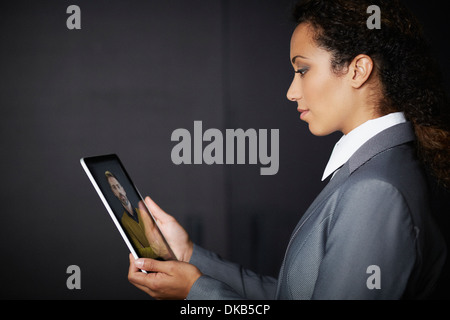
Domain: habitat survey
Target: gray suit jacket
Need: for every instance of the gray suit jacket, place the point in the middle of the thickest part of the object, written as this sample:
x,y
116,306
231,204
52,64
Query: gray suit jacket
x,y
368,235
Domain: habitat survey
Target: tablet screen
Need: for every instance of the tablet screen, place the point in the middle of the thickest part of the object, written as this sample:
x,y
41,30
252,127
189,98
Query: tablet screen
x,y
126,207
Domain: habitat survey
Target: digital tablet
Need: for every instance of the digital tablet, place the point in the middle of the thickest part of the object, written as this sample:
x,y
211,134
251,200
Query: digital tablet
x,y
126,207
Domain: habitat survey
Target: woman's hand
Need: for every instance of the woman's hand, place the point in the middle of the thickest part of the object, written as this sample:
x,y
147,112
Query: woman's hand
x,y
173,232
165,280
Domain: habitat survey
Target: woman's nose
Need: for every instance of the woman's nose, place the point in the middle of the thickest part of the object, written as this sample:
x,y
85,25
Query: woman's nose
x,y
294,91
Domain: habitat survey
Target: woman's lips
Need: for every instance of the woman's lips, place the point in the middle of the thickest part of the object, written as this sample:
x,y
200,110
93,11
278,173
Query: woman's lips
x,y
303,113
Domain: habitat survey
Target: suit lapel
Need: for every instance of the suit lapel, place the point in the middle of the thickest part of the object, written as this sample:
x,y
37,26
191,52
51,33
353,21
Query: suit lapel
x,y
332,185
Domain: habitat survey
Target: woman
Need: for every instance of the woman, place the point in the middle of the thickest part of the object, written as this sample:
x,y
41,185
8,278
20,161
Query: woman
x,y
369,233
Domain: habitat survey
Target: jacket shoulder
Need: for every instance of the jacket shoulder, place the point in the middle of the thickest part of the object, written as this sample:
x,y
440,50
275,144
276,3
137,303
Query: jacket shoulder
x,y
397,166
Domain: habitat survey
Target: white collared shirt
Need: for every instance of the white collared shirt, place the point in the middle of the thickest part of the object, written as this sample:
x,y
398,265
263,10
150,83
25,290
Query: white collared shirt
x,y
352,141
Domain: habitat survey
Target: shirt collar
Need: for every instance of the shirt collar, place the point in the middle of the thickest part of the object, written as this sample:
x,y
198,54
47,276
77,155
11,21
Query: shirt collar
x,y
135,217
352,141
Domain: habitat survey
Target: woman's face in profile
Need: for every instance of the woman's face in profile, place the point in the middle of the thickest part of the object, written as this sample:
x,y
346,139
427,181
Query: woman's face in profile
x,y
324,98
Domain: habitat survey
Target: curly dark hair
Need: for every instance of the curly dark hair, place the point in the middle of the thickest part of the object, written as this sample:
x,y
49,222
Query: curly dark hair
x,y
409,76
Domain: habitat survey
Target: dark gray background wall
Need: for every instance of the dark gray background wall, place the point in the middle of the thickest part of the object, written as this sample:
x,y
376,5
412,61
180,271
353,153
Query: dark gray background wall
x,y
135,72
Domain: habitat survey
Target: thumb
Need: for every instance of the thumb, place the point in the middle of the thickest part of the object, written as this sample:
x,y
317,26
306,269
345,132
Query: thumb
x,y
151,265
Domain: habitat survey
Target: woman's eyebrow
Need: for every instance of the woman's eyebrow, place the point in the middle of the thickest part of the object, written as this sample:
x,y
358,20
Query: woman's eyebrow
x,y
298,56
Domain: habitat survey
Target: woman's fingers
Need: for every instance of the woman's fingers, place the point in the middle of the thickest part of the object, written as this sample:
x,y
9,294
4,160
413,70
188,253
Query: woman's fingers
x,y
159,214
165,280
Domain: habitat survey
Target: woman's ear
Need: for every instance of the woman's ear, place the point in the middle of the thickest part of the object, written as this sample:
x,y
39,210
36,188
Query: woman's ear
x,y
360,70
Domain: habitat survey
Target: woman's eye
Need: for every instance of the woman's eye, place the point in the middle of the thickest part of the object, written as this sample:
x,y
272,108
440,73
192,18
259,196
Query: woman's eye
x,y
302,71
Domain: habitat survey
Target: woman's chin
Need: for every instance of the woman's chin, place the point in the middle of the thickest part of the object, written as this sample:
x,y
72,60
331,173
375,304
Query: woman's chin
x,y
318,131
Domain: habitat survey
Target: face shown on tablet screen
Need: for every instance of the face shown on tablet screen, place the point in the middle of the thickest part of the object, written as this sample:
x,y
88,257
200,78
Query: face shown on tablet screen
x,y
119,192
